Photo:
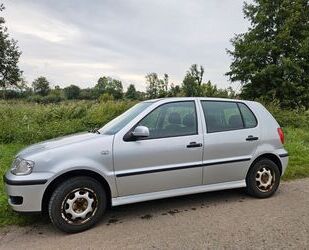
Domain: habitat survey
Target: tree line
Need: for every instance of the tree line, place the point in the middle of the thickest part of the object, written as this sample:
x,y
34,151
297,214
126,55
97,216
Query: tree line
x,y
108,88
270,61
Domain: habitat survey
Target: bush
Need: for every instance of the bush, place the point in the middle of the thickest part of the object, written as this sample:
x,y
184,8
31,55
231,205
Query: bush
x,y
105,98
295,118
72,92
27,123
51,98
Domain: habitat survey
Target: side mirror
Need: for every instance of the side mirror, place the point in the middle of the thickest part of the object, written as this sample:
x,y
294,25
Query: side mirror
x,y
140,131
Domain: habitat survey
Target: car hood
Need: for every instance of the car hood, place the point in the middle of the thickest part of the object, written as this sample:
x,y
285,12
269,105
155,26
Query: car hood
x,y
58,142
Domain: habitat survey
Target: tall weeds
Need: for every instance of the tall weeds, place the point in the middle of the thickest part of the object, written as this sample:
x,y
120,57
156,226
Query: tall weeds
x,y
27,123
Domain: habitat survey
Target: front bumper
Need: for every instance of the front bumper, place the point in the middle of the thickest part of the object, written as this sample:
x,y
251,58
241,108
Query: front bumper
x,y
24,195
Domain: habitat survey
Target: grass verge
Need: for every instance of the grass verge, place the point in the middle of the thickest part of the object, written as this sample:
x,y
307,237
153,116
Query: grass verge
x,y
7,215
297,144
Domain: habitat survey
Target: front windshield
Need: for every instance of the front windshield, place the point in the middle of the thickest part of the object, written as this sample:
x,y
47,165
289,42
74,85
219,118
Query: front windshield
x,y
119,122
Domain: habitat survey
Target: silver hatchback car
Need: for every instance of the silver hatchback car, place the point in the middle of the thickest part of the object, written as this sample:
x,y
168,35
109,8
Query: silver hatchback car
x,y
157,149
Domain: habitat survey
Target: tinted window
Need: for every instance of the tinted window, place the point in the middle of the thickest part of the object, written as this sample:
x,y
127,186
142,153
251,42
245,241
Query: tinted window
x,y
248,116
171,119
222,116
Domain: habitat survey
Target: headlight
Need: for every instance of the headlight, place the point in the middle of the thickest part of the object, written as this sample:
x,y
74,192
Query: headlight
x,y
22,167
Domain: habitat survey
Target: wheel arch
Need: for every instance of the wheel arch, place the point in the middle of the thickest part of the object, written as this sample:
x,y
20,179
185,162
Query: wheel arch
x,y
274,158
83,172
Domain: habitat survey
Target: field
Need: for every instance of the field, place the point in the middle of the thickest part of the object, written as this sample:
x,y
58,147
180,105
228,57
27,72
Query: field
x,y
23,123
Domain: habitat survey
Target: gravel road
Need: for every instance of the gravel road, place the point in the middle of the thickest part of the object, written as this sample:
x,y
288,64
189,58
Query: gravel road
x,y
225,219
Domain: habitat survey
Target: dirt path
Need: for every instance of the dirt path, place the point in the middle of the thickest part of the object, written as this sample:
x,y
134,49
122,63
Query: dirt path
x,y
227,219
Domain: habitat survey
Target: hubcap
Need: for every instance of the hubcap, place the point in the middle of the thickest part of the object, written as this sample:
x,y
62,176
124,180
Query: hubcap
x,y
79,206
265,179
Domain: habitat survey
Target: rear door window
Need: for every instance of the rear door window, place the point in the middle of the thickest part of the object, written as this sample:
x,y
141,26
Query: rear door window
x,y
222,116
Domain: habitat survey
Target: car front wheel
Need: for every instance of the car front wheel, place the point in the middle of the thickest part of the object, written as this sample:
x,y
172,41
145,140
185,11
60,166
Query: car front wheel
x,y
263,179
77,204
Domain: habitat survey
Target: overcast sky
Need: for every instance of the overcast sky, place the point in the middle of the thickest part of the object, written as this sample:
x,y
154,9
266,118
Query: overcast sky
x,y
77,41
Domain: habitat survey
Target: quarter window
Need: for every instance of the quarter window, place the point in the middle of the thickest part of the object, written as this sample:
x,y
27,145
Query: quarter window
x,y
248,116
171,119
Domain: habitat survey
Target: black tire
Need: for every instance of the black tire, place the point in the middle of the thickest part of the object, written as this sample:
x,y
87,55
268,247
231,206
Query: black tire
x,y
80,196
257,183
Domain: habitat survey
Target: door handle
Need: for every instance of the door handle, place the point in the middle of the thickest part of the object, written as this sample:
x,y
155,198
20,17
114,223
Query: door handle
x,y
252,138
194,145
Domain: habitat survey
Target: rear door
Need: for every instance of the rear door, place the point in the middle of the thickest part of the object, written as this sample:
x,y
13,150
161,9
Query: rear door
x,y
230,140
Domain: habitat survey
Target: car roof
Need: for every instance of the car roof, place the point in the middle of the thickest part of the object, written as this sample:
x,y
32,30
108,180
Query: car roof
x,y
194,98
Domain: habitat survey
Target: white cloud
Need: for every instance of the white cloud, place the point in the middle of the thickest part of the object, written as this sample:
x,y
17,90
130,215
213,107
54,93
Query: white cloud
x,y
40,25
76,42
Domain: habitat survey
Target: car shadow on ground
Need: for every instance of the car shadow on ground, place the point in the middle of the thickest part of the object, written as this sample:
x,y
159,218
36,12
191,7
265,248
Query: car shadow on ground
x,y
161,207
171,206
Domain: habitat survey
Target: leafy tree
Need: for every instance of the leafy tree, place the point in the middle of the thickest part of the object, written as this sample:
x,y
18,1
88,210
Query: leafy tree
x,y
174,91
141,95
88,94
271,60
231,93
131,92
23,86
163,86
109,86
10,74
152,85
191,84
211,90
72,92
57,91
41,86
156,87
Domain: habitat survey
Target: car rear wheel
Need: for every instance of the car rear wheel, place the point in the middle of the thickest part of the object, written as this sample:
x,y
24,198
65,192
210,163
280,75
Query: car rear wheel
x,y
77,204
263,179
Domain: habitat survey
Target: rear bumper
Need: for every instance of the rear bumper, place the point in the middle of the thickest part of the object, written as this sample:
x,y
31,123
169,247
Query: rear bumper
x,y
284,158
25,196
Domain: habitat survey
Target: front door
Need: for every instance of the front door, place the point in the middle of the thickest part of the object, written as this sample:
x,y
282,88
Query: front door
x,y
168,158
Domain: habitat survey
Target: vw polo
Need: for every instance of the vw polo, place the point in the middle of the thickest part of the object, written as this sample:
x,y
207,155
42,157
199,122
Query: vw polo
x,y
157,149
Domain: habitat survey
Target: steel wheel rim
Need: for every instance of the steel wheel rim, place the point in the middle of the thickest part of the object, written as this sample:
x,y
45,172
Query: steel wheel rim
x,y
265,179
79,206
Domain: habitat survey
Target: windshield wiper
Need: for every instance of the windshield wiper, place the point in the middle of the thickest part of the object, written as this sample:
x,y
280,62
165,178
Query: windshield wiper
x,y
94,130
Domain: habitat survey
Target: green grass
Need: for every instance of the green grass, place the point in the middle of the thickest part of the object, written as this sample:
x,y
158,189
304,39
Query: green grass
x,y
297,144
7,215
23,123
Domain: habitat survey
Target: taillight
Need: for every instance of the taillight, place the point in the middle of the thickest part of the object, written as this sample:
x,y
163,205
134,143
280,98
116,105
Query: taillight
x,y
281,135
